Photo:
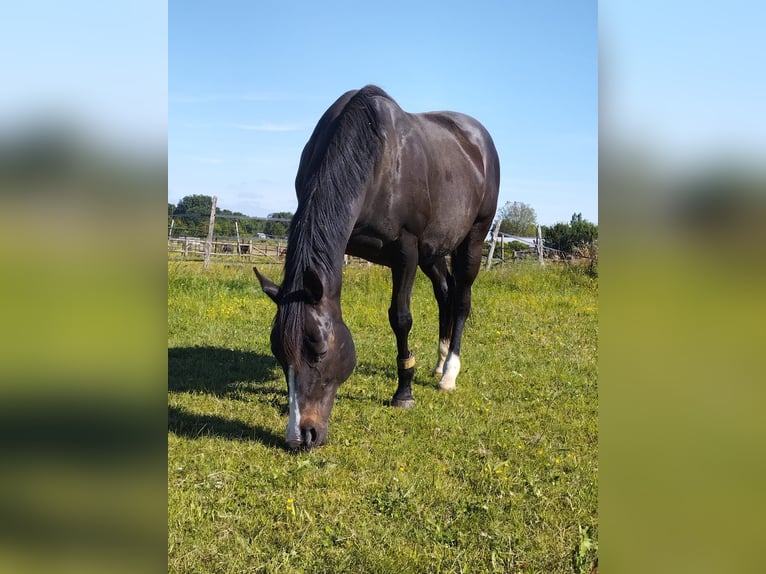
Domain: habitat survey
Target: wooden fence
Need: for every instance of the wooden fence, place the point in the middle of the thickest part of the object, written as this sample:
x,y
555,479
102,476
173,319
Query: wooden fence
x,y
274,250
193,248
228,249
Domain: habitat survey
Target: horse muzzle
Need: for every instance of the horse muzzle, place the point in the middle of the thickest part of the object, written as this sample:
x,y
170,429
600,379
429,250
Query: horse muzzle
x,y
306,436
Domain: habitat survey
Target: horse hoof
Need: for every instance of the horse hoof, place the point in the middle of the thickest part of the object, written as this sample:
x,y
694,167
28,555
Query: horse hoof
x,y
437,373
403,403
447,387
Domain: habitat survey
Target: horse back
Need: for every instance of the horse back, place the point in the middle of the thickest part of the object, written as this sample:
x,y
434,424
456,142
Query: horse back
x,y
437,178
462,156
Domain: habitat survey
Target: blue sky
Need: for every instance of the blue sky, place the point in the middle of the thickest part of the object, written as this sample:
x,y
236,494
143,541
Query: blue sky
x,y
686,79
248,81
98,66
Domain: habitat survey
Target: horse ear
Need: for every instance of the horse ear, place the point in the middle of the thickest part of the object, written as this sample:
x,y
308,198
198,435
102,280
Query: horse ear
x,y
312,284
269,287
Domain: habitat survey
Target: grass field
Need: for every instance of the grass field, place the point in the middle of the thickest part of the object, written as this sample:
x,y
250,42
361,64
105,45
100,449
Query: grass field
x,y
499,476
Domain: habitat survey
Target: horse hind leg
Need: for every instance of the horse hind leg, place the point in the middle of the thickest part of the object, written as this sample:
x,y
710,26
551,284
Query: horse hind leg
x,y
450,370
466,262
444,286
442,350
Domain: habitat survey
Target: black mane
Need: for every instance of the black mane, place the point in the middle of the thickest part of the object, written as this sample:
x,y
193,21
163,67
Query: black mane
x,y
336,162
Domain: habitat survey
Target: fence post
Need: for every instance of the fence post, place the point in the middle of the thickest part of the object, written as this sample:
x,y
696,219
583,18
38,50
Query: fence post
x,y
491,254
540,245
209,242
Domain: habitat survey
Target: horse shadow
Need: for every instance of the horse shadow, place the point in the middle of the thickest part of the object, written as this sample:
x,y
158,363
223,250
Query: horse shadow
x,y
222,373
192,425
231,373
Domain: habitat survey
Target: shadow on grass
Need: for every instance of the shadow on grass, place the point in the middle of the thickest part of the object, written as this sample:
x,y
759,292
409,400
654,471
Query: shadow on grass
x,y
234,373
223,373
219,371
422,378
191,425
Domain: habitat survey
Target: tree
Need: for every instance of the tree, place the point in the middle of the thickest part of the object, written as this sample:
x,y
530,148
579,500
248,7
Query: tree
x,y
278,228
557,237
568,237
192,215
583,232
281,215
518,218
194,205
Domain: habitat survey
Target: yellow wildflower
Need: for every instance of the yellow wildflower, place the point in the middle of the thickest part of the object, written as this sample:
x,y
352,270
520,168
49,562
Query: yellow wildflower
x,y
290,506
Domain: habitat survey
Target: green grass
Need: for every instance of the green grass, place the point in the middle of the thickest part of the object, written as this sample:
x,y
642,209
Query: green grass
x,y
499,476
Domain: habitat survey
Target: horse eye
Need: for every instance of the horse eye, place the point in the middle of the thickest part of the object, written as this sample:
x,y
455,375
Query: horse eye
x,y
320,353
317,350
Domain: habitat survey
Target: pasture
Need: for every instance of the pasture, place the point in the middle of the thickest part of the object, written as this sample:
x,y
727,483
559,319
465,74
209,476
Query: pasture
x,y
498,476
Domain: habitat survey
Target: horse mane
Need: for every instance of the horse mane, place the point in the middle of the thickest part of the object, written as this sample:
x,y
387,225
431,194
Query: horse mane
x,y
343,152
336,163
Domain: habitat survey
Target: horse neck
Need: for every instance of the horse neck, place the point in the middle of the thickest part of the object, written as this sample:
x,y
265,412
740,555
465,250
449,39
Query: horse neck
x,y
328,265
318,241
333,281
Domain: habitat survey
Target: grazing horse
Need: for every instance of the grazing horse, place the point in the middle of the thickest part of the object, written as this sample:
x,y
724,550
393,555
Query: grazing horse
x,y
398,189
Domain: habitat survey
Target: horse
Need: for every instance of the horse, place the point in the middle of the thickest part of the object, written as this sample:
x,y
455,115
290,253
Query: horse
x,y
398,189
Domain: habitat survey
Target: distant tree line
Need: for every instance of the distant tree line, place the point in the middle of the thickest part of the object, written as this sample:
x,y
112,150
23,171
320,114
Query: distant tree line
x,y
192,214
517,218
191,217
577,235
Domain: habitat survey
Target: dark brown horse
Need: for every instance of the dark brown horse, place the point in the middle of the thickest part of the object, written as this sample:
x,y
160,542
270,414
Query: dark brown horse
x,y
399,189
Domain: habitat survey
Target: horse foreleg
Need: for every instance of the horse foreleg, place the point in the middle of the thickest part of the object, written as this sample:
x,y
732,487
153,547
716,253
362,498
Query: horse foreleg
x,y
403,273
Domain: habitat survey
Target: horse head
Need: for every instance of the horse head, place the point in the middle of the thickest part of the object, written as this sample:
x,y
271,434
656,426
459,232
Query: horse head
x,y
315,349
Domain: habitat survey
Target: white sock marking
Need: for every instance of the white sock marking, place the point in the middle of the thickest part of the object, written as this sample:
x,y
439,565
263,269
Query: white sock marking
x,y
293,436
442,351
451,370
